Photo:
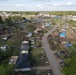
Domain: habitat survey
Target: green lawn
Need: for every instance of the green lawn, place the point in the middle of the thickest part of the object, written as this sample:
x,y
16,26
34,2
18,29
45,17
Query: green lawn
x,y
36,53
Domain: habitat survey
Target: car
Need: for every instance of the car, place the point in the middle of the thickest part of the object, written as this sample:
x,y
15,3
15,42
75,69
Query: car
x,y
49,72
62,63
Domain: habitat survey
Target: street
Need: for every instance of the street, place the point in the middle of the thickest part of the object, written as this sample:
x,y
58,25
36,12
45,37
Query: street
x,y
54,65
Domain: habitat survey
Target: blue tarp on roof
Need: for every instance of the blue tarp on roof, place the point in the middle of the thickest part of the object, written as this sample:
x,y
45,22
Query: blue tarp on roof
x,y
68,45
47,24
63,34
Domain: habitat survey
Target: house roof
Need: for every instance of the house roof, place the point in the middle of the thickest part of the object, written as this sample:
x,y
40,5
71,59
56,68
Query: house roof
x,y
5,36
25,38
63,34
29,35
25,42
24,47
3,47
22,62
13,59
47,24
62,39
37,20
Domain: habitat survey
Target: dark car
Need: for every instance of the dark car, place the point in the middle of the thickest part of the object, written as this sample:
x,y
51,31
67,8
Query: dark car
x,y
50,72
62,63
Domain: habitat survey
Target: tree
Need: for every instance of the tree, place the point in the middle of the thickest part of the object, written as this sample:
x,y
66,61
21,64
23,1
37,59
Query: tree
x,y
70,68
1,20
9,22
2,70
9,69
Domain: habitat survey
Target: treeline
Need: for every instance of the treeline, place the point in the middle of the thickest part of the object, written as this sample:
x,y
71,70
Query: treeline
x,y
60,13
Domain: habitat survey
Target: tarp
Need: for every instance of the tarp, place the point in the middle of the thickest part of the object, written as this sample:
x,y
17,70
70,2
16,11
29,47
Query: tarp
x,y
68,45
47,24
63,34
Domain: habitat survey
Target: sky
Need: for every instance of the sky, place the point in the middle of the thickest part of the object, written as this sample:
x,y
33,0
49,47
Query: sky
x,y
37,5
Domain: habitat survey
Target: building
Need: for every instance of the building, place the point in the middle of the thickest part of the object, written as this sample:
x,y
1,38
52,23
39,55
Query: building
x,y
47,24
5,37
63,40
3,48
73,18
63,34
13,59
63,30
23,63
29,34
24,48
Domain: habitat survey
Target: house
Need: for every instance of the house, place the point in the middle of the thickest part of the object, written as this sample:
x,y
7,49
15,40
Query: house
x,y
39,29
21,26
25,38
68,45
47,24
43,27
63,30
32,42
63,34
5,37
25,42
73,18
22,63
29,34
63,40
3,48
37,20
24,48
13,59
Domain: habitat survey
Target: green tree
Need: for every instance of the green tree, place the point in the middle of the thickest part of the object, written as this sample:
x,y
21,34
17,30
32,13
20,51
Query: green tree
x,y
70,69
9,69
9,21
2,70
1,20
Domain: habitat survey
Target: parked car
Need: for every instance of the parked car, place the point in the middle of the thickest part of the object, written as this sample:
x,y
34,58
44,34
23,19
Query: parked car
x,y
49,72
62,63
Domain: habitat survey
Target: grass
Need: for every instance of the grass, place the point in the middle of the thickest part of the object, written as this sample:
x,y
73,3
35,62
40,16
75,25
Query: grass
x,y
36,53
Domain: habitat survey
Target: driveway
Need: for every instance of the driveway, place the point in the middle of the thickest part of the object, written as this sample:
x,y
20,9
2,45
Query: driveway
x,y
49,53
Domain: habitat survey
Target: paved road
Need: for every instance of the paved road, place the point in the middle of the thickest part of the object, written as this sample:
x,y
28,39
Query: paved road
x,y
52,59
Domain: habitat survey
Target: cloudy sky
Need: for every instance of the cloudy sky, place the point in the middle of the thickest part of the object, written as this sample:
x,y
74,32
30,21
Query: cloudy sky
x,y
37,5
